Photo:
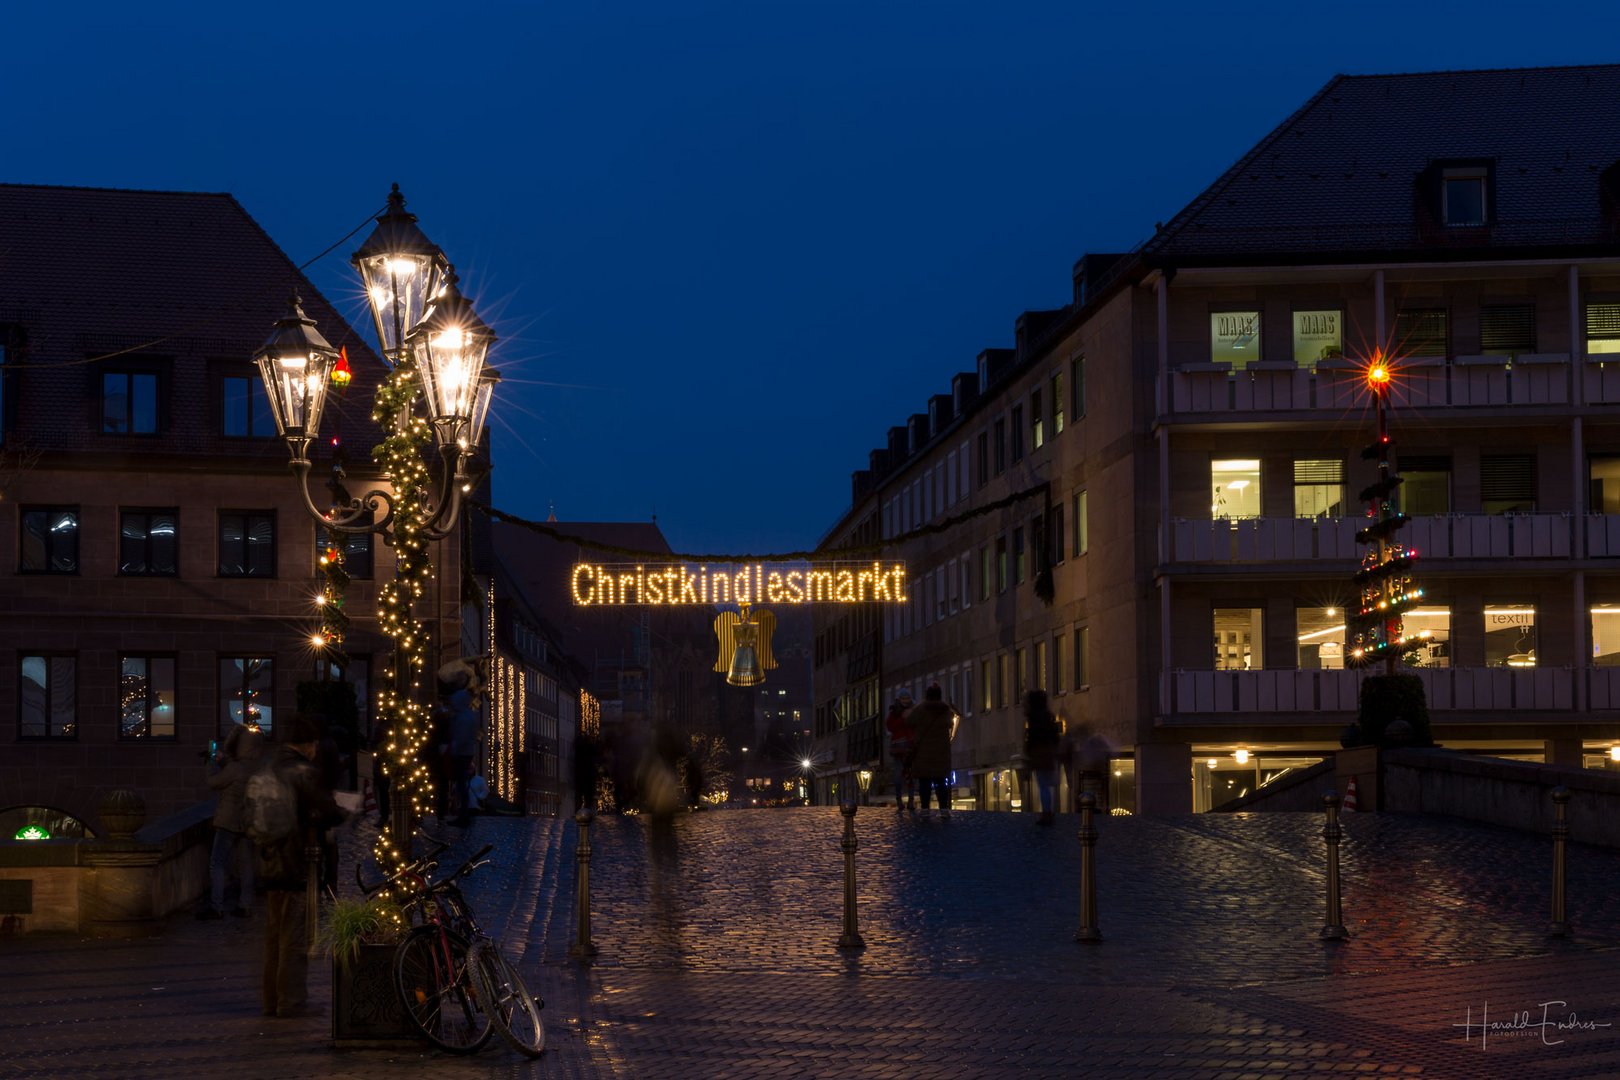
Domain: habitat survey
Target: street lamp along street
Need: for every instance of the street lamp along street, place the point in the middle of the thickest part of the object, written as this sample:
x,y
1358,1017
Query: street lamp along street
x,y
437,345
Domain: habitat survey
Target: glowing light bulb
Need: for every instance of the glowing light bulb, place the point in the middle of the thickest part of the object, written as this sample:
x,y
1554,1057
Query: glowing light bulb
x,y
1241,757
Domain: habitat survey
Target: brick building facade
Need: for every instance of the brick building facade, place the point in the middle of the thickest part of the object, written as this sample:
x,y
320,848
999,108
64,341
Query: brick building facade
x,y
157,564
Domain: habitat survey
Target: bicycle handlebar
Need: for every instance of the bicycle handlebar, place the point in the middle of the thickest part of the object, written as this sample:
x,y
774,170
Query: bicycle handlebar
x,y
417,865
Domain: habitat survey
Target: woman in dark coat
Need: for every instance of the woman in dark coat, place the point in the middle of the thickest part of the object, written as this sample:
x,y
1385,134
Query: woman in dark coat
x,y
1042,734
935,725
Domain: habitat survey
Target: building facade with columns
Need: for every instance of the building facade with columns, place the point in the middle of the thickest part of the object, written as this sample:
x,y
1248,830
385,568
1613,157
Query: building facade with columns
x,y
1179,447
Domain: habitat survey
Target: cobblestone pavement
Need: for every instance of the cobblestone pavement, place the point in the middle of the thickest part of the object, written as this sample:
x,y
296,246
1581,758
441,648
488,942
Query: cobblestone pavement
x,y
717,958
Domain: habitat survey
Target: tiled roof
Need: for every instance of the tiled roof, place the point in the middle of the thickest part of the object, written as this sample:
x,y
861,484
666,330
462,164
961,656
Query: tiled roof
x,y
1339,175
185,275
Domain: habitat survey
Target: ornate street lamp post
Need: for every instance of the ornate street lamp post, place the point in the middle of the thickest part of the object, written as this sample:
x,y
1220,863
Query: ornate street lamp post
x,y
437,346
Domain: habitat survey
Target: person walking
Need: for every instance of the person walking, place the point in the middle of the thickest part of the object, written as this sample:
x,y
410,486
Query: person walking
x,y
297,786
902,741
1042,734
228,774
935,725
465,729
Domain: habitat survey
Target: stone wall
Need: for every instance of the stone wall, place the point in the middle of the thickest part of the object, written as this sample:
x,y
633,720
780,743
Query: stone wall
x,y
1517,794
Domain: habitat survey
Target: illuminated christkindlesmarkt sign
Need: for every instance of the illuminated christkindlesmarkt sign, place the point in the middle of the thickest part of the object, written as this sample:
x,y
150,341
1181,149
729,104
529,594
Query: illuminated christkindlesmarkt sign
x,y
622,584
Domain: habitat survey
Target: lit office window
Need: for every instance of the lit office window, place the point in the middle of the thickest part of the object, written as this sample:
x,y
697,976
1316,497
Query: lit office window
x,y
1321,632
1234,487
1510,637
1239,639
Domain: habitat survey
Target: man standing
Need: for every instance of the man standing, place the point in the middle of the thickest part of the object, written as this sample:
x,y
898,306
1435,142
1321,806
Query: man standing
x,y
935,725
290,784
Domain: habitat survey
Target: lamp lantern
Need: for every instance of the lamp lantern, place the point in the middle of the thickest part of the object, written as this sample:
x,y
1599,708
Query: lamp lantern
x,y
402,272
449,346
473,435
865,779
295,363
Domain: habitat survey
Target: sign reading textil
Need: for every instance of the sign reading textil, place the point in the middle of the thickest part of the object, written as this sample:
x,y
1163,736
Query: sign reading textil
x,y
628,584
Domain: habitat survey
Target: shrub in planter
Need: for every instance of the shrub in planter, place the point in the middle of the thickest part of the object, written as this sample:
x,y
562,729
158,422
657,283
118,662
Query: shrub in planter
x,y
1386,699
361,936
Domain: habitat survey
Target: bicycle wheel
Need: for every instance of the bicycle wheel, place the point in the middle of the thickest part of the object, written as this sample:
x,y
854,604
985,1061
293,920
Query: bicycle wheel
x,y
439,990
515,1011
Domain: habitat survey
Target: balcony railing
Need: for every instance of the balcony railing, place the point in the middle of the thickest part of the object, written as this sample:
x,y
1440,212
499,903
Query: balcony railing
x,y
1443,536
1421,382
1548,689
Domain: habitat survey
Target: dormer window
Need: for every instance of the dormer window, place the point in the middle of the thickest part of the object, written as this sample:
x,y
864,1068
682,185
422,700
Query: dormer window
x,y
1463,195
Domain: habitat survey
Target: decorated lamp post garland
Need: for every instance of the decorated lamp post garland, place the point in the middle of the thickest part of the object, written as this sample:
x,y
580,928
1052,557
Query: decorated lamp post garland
x,y
436,345
1385,583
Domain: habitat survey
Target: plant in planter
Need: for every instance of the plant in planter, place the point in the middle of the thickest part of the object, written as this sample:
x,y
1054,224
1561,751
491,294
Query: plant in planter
x,y
361,936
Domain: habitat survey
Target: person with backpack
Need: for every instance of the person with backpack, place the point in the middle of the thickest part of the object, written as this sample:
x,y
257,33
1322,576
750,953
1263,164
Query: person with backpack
x,y
288,804
228,774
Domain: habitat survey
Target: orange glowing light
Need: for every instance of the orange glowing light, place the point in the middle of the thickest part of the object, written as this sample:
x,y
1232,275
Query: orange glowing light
x,y
1378,375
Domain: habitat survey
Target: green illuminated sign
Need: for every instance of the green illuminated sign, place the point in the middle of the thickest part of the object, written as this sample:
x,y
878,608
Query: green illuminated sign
x,y
32,832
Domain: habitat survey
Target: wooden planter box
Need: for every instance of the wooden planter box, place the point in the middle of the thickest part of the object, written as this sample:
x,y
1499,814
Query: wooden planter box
x,y
365,1002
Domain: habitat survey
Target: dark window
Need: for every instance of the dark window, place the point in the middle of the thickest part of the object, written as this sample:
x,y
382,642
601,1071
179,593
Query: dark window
x,y
1421,332
50,540
247,543
1082,658
146,697
1001,446
984,572
129,403
357,673
1507,483
1426,487
1055,535
356,550
1017,434
1463,194
1037,422
246,692
244,408
984,458
48,697
148,542
1077,387
1057,404
1507,329
1020,566
1001,564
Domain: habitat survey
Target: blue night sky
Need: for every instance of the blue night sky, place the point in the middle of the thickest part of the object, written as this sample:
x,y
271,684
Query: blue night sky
x,y
726,245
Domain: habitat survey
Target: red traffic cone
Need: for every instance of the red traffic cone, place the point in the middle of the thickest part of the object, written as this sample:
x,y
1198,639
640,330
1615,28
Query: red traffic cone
x,y
1350,796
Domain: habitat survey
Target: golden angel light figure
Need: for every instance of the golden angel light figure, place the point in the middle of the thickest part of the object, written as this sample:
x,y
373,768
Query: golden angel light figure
x,y
745,645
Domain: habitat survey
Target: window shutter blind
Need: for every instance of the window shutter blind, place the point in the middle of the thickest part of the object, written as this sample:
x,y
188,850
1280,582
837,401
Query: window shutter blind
x,y
1603,321
1421,332
1318,472
1508,328
1507,477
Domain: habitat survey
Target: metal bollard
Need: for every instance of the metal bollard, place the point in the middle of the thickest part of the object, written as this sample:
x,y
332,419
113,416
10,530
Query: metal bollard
x,y
851,937
1089,930
583,948
312,895
1560,835
1333,832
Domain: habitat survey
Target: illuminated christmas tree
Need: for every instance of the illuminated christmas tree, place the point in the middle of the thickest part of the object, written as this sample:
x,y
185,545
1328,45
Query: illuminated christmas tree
x,y
1385,582
1386,587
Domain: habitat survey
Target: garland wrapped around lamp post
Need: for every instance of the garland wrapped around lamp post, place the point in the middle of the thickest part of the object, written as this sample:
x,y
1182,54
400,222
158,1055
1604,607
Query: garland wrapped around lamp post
x,y
437,346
